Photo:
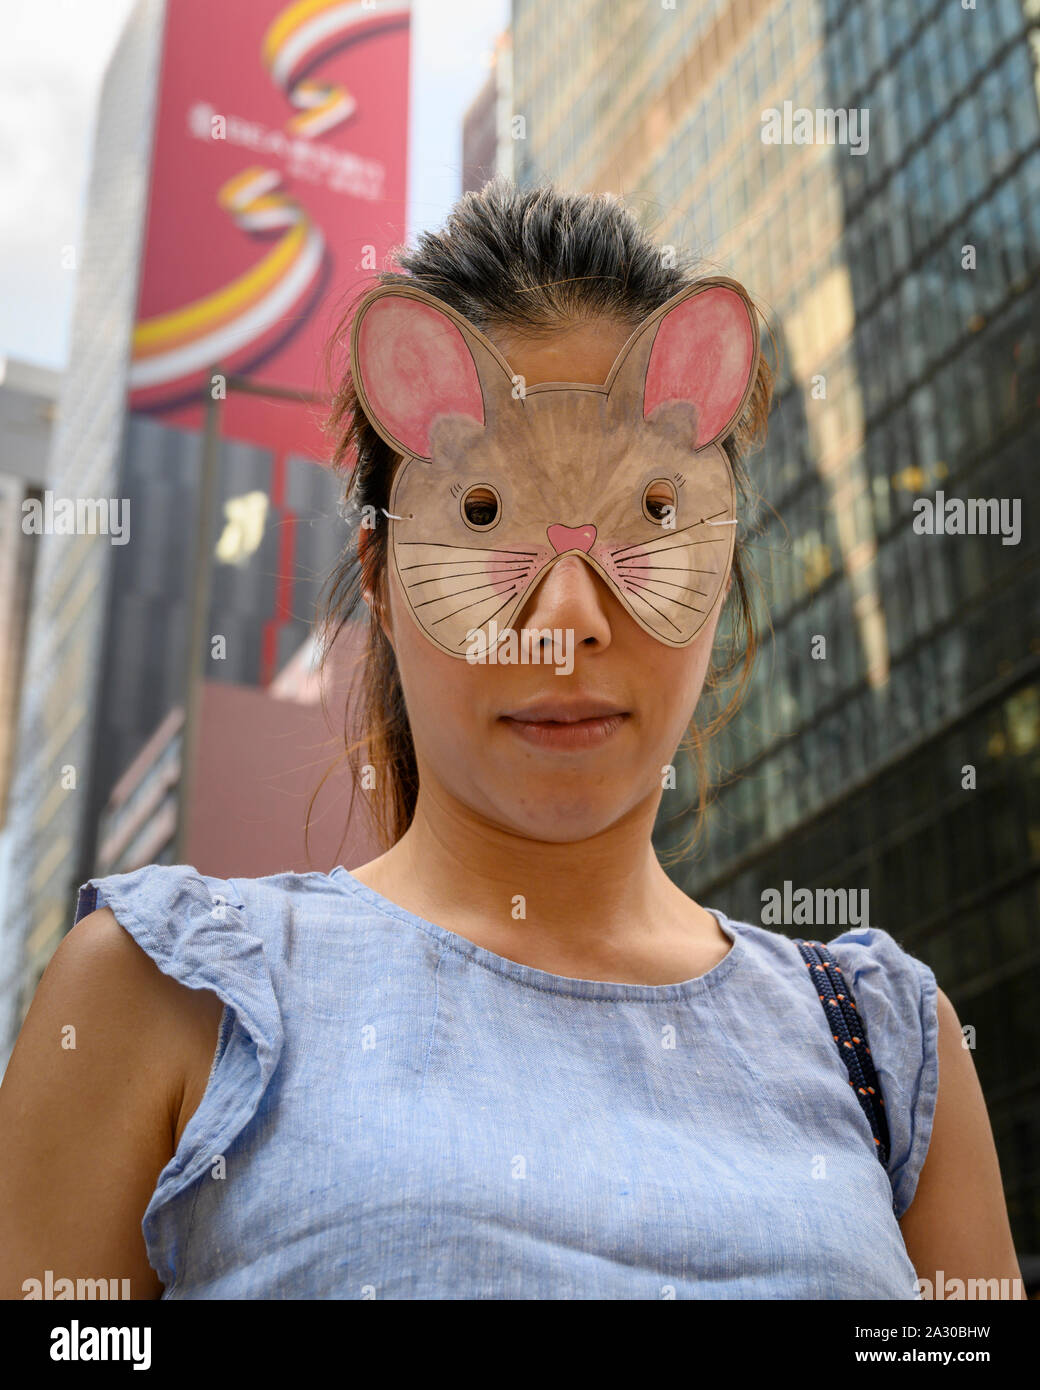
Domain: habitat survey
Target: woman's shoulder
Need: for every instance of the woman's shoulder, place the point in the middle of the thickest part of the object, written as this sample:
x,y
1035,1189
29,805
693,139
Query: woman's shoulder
x,y
217,952
231,937
870,955
896,997
179,891
187,920
251,941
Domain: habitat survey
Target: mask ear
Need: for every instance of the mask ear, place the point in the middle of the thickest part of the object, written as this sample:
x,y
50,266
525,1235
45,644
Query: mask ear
x,y
700,348
414,359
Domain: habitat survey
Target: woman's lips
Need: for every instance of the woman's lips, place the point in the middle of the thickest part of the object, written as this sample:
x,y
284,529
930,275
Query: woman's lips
x,y
580,733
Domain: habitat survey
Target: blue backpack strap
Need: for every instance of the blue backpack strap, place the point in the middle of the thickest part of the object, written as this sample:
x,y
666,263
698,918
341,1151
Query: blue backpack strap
x,y
850,1033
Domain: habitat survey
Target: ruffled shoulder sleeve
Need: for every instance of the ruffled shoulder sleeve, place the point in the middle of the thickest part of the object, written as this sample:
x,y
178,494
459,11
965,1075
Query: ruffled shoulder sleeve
x,y
196,930
896,996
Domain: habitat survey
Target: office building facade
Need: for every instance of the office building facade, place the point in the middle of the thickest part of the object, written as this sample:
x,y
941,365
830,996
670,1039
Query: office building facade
x,y
47,804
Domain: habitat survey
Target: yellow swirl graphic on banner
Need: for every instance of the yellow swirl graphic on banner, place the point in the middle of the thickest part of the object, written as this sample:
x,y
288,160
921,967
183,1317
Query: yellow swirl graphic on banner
x,y
297,37
195,336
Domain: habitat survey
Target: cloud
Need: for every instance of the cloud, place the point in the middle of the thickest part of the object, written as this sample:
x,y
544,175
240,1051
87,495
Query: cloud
x,y
51,64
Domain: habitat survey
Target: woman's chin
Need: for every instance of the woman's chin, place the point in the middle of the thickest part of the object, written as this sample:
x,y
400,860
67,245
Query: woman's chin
x,y
555,821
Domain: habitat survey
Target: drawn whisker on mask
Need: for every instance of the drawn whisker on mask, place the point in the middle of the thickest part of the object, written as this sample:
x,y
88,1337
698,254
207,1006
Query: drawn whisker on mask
x,y
666,540
645,589
490,618
428,564
475,549
653,606
471,590
630,566
462,574
432,564
631,579
677,545
456,611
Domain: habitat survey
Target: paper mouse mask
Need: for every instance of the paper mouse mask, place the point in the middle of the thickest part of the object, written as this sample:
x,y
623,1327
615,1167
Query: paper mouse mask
x,y
499,481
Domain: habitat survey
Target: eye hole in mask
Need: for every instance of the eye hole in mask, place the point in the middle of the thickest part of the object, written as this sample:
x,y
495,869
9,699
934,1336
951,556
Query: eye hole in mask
x,y
659,500
498,483
481,507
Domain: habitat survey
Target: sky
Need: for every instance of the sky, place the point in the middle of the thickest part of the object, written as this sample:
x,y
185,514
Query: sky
x,y
51,62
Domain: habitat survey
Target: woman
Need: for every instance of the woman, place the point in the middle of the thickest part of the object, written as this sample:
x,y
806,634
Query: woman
x,y
508,1058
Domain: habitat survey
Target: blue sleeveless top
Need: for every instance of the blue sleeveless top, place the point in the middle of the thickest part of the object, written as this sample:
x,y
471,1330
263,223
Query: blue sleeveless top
x,y
395,1112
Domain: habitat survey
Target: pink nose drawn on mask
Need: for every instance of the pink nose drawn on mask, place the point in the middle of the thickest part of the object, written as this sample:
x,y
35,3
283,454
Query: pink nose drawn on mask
x,y
571,537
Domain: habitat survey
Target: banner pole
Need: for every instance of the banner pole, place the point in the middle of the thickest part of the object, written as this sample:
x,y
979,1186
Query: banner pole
x,y
199,616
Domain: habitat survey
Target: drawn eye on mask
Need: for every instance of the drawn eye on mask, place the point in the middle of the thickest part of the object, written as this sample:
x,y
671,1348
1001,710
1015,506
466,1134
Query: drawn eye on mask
x,y
497,483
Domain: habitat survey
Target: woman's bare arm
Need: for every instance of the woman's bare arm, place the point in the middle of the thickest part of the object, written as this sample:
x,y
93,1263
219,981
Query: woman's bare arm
x,y
958,1221
85,1130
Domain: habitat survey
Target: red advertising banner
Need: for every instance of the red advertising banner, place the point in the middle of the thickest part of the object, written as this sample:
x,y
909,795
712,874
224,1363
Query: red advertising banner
x,y
278,182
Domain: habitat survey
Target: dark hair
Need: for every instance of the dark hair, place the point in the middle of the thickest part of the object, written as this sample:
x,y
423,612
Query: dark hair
x,y
531,260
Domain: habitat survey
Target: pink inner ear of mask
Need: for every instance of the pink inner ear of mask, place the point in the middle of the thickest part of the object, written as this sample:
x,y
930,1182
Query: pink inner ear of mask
x,y
410,355
702,353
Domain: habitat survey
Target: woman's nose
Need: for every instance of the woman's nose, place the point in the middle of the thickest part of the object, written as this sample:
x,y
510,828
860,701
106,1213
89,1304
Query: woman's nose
x,y
571,595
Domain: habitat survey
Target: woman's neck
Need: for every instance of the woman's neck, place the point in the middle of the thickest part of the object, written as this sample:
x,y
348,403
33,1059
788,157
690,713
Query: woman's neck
x,y
603,903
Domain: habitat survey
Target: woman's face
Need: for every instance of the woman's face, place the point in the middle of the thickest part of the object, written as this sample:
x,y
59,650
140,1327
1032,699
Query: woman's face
x,y
534,779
